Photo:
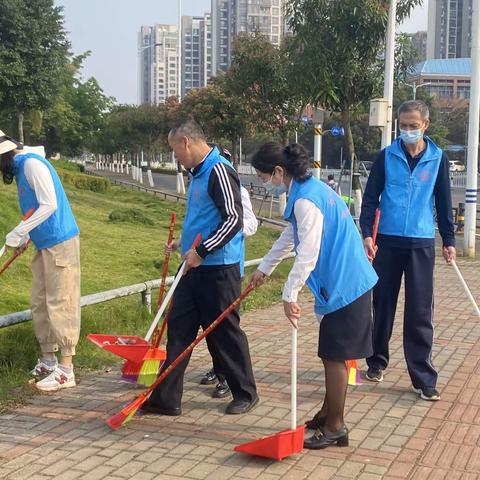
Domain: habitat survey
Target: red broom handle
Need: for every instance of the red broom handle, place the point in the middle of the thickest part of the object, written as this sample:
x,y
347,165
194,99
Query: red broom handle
x,y
375,226
153,330
187,351
17,254
120,418
171,233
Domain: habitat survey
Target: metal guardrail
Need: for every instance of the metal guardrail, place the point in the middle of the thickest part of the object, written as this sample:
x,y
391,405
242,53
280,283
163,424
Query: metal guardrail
x,y
144,288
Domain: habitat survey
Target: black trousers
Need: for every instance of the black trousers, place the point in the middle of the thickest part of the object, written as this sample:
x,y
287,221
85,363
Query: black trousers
x,y
201,296
417,265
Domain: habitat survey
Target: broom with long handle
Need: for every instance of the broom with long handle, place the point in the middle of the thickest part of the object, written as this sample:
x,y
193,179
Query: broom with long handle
x,y
465,287
17,253
166,301
171,233
146,371
122,417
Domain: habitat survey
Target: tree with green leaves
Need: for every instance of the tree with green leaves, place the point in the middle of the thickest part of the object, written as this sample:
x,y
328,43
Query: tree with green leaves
x,y
223,116
79,112
334,54
259,76
33,53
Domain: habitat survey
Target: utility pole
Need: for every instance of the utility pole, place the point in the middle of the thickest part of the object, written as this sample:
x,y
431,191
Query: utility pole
x,y
389,69
473,126
318,118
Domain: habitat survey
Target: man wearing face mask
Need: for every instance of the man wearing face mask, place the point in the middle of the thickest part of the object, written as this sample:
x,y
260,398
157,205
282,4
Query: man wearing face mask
x,y
408,180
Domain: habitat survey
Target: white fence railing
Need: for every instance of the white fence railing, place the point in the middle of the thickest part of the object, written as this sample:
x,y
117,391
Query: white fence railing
x,y
144,288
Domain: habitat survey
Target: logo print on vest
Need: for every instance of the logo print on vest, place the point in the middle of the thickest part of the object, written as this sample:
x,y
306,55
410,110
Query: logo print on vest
x,y
424,176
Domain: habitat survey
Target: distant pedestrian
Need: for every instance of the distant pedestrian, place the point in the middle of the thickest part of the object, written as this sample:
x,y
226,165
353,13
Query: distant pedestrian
x,y
333,184
409,181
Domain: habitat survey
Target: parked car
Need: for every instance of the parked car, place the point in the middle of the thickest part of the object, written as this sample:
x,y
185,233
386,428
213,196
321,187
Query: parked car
x,y
456,166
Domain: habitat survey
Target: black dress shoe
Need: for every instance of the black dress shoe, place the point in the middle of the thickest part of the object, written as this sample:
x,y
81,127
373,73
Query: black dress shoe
x,y
321,440
222,390
209,378
318,421
149,407
236,407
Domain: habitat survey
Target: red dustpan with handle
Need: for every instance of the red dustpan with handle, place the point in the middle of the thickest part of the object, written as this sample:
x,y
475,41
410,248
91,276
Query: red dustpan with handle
x,y
288,442
132,347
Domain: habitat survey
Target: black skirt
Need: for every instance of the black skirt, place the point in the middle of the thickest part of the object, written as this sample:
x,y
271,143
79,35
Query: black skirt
x,y
346,334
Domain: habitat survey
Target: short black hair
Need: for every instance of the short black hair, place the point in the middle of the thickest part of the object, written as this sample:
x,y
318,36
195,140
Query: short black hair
x,y
330,177
190,129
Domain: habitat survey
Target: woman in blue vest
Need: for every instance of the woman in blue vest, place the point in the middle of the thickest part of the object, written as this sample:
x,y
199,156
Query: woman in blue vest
x,y
56,263
330,259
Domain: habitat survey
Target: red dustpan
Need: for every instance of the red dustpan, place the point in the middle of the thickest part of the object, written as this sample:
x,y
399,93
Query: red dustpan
x,y
133,347
288,442
136,349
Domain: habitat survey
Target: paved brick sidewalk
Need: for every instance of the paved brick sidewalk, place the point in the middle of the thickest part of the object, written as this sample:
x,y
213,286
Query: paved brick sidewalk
x,y
393,433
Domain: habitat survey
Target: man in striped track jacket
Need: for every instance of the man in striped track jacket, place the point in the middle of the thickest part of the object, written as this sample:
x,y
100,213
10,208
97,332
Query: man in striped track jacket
x,y
213,274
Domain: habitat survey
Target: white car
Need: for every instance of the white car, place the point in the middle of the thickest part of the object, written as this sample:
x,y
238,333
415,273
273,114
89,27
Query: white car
x,y
456,166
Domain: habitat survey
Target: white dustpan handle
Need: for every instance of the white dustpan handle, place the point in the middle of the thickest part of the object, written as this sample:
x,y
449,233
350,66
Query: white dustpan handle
x,y
465,287
165,302
293,425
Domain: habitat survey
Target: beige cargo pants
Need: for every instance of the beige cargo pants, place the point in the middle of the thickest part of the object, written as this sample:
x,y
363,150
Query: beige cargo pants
x,y
56,297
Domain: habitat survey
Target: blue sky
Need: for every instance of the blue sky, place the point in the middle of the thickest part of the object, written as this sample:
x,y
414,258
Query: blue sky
x,y
109,29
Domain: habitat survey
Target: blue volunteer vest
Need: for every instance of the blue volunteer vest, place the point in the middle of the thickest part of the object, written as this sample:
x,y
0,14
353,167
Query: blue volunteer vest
x,y
342,272
407,200
204,217
61,225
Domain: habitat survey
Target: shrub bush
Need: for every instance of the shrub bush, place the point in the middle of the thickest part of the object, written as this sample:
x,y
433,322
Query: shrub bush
x,y
84,182
129,215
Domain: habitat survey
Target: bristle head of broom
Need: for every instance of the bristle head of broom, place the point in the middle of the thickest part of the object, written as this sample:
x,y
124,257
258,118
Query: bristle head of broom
x,y
125,415
116,421
149,372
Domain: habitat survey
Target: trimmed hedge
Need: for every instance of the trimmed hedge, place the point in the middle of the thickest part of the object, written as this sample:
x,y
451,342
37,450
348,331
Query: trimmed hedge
x,y
84,182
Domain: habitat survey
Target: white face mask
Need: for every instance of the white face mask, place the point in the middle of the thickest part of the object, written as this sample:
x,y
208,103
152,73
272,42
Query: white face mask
x,y
274,190
410,137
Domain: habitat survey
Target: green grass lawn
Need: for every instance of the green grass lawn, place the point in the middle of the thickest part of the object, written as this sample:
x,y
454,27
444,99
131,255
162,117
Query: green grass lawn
x,y
113,254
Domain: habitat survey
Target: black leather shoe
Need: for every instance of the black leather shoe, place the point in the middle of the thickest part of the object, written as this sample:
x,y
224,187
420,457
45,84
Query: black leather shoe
x,y
316,422
237,407
222,390
321,440
149,407
209,378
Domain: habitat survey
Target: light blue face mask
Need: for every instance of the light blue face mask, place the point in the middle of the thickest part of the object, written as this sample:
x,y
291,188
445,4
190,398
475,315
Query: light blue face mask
x,y
411,137
275,190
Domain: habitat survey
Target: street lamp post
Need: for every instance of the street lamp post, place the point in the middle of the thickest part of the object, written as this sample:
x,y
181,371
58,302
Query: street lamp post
x,y
473,124
415,87
389,70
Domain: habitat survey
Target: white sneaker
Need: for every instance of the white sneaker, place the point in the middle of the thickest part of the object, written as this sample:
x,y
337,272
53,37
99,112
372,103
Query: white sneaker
x,y
41,369
57,380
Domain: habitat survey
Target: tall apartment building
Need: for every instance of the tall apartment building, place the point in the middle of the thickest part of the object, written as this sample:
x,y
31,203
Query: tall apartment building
x,y
449,29
232,17
196,52
158,63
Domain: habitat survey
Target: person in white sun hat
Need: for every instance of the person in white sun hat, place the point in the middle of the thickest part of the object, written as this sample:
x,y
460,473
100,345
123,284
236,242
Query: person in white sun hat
x,y
56,264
